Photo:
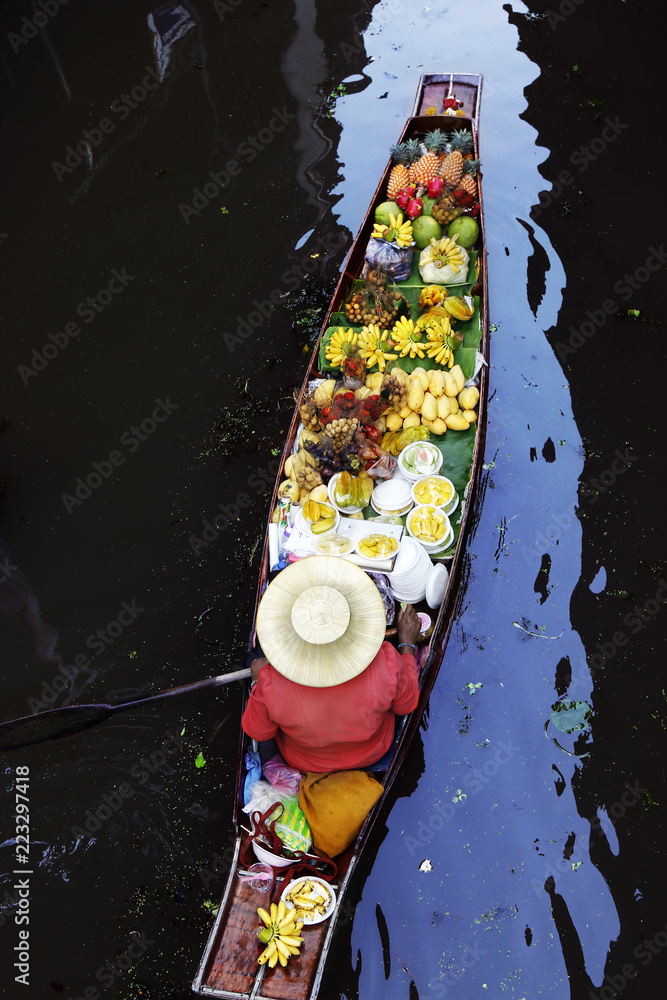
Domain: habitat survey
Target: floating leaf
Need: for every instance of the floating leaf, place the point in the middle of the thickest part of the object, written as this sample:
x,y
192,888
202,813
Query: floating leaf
x,y
570,716
199,762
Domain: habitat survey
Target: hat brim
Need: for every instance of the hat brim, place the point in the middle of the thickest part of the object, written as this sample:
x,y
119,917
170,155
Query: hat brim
x,y
323,664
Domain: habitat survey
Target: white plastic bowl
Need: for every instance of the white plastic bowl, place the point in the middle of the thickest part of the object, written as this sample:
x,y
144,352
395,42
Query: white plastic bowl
x,y
412,475
301,524
268,858
448,506
392,494
443,542
330,491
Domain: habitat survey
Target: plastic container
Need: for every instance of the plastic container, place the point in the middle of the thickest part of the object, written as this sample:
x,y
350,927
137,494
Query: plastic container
x,y
437,491
306,527
330,490
376,558
419,459
391,496
262,854
426,625
429,509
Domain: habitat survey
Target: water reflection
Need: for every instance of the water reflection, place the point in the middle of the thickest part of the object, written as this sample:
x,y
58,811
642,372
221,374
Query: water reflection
x,y
305,69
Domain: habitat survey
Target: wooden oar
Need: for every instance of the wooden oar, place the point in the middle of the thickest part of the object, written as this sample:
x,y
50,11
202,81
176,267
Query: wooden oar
x,y
74,718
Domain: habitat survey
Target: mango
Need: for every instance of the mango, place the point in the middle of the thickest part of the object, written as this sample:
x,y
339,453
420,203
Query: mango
x,y
469,398
429,407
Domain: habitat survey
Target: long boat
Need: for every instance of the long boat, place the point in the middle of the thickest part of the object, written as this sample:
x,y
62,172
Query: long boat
x,y
229,966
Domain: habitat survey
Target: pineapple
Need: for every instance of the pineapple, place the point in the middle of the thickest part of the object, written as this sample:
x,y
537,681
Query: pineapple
x,y
468,181
461,144
462,140
413,147
452,167
398,178
427,167
437,142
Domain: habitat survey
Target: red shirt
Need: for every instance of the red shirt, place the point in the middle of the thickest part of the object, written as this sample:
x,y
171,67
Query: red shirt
x,y
336,728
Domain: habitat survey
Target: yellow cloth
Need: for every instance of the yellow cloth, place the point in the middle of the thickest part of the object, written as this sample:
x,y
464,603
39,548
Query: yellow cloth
x,y
335,805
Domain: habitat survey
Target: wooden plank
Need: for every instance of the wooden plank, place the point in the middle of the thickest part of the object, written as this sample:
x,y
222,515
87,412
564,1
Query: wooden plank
x,y
234,966
295,981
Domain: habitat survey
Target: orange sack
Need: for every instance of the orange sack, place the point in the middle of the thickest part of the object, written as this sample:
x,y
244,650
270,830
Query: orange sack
x,y
335,805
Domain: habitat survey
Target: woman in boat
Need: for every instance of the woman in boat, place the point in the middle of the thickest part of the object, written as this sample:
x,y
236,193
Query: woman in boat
x,y
329,688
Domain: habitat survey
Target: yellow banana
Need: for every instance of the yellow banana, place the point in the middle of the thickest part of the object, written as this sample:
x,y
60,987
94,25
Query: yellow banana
x,y
268,954
290,918
282,909
264,916
291,940
274,912
273,961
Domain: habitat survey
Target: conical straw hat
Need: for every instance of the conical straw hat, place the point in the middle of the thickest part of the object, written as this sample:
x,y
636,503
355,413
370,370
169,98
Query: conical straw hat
x,y
321,621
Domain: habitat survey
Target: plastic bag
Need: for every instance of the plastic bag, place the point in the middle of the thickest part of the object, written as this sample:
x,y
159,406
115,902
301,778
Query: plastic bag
x,y
283,777
253,773
386,593
396,441
379,463
396,261
292,827
443,275
377,301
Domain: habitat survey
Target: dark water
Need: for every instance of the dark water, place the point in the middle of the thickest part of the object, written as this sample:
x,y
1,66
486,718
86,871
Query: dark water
x,y
170,392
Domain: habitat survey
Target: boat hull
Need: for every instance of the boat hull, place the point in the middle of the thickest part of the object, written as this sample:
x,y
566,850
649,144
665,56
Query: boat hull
x,y
228,968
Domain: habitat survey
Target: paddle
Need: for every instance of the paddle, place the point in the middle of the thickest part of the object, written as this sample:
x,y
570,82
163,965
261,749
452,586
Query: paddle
x,y
74,718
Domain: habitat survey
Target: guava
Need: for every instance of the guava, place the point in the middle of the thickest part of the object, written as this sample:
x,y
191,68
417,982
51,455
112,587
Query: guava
x,y
424,229
383,211
466,229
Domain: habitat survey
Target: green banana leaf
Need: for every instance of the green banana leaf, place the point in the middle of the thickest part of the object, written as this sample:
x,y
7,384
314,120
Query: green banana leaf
x,y
457,450
464,356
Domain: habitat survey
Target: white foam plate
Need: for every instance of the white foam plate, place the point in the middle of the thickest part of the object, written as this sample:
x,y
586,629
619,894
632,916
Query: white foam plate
x,y
436,586
308,921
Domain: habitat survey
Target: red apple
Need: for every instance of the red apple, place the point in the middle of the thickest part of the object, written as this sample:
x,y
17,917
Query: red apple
x,y
414,208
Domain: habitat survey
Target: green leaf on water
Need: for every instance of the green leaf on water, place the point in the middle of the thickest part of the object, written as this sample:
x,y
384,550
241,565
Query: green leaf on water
x,y
199,762
571,716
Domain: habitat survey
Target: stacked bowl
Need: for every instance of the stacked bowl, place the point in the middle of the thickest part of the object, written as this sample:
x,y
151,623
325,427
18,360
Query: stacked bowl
x,y
411,572
392,496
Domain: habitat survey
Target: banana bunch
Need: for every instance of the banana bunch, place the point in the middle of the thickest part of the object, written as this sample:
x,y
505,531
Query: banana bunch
x,y
438,349
397,231
280,934
432,295
335,349
407,339
445,253
372,341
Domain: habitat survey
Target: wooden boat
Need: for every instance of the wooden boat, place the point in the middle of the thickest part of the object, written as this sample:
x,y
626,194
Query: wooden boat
x,y
229,966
